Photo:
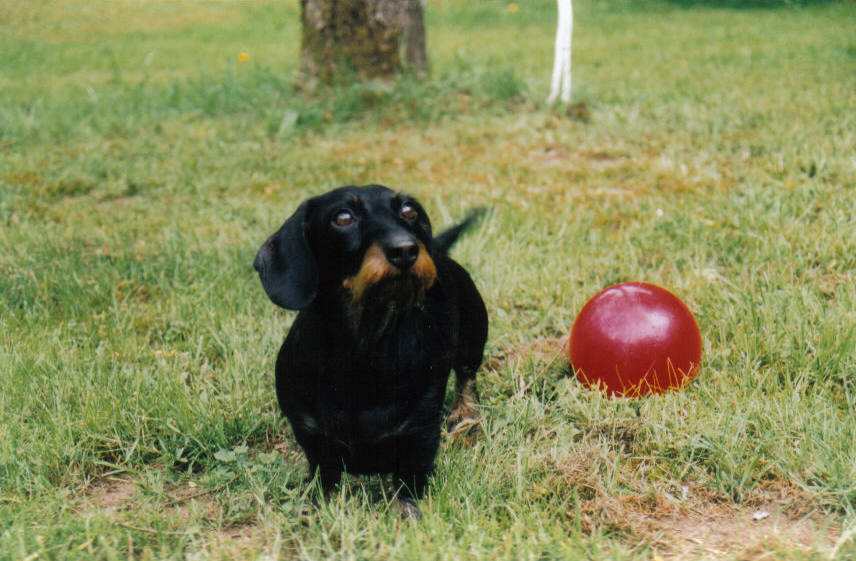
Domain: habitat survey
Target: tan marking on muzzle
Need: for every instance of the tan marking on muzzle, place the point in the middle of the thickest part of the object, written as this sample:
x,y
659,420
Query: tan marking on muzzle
x,y
424,270
375,268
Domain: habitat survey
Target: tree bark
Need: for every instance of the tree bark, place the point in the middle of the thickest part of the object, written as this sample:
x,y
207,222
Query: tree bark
x,y
360,39
415,52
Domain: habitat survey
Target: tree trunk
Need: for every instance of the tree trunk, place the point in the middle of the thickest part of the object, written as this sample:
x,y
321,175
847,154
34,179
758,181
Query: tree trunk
x,y
359,38
415,52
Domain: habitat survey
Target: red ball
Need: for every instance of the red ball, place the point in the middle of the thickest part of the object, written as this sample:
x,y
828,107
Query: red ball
x,y
635,338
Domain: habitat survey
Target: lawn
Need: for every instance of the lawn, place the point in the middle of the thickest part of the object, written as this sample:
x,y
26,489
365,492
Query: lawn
x,y
709,150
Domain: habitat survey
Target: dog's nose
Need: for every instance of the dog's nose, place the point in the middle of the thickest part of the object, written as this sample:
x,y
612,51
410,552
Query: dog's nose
x,y
401,252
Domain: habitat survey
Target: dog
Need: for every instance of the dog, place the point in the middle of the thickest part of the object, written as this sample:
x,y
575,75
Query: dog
x,y
385,315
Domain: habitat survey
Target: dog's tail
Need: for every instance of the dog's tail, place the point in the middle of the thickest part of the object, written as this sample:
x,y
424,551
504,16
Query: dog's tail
x,y
444,241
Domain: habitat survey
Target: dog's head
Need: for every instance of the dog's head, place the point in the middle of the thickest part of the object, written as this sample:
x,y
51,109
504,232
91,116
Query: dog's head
x,y
367,243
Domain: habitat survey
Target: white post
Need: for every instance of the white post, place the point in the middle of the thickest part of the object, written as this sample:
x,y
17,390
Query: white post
x,y
561,82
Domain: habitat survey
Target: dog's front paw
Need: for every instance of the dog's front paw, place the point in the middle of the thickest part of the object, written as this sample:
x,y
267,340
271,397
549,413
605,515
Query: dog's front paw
x,y
409,510
463,421
464,418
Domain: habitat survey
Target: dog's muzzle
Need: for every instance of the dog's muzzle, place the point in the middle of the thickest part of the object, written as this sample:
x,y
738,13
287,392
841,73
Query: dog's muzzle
x,y
396,258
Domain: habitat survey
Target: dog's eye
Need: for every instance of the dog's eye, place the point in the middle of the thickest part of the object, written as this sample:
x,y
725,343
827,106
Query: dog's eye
x,y
343,218
408,212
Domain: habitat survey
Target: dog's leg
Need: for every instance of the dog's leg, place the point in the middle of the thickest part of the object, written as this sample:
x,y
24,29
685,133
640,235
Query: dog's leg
x,y
414,466
411,487
464,417
465,412
328,476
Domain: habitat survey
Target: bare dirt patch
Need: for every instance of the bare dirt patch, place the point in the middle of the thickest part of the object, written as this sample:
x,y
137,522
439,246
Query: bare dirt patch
x,y
111,494
698,524
742,532
695,522
240,537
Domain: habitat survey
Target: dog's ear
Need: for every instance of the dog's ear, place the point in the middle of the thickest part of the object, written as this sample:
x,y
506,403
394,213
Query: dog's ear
x,y
286,265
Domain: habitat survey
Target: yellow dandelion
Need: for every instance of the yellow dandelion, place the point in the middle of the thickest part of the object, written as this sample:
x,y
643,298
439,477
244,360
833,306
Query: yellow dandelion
x,y
243,57
513,8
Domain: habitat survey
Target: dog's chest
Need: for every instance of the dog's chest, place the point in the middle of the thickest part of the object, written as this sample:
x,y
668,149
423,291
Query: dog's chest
x,y
392,387
380,399
391,374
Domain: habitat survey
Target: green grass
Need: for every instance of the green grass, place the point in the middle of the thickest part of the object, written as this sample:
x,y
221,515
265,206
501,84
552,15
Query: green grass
x,y
141,165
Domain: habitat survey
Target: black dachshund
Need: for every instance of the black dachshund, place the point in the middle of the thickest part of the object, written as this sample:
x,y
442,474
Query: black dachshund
x,y
385,314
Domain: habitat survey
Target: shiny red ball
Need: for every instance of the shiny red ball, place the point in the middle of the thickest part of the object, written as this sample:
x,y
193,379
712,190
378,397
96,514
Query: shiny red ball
x,y
633,339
